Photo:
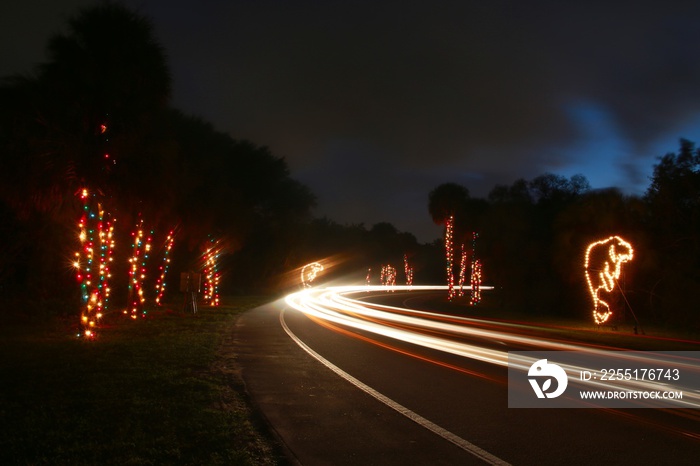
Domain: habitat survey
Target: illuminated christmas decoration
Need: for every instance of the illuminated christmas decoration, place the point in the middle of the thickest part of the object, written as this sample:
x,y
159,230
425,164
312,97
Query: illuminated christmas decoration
x,y
93,262
163,267
141,249
309,272
475,279
603,266
388,276
462,271
408,270
210,272
476,283
449,256
368,278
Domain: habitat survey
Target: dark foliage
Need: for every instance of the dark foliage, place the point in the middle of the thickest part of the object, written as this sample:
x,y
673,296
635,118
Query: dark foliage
x,y
96,116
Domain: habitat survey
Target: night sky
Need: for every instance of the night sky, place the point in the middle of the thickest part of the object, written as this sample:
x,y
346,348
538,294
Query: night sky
x,y
375,103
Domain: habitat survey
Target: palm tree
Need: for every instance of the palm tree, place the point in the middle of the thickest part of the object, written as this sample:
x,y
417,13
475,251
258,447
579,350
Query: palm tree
x,y
65,126
446,200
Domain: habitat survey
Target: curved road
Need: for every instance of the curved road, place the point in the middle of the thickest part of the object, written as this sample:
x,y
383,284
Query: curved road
x,y
345,380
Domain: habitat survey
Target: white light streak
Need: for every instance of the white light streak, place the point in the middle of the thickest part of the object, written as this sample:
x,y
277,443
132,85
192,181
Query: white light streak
x,y
448,333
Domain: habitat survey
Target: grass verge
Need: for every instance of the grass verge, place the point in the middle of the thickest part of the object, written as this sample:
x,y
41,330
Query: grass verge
x,y
622,335
153,391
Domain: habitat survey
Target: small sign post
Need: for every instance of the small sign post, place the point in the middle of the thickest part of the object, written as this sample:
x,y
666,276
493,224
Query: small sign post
x,y
190,284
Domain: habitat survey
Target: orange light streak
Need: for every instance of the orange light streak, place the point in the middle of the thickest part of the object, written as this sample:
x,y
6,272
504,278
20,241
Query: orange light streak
x,y
346,332
334,307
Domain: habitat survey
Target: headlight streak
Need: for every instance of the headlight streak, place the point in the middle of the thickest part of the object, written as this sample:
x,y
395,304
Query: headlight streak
x,y
396,349
431,330
325,308
404,411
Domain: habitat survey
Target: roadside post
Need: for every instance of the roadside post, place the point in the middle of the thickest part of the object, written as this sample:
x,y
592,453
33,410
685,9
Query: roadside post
x,y
190,284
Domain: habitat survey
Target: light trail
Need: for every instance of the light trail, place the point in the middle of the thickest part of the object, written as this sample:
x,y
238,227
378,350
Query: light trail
x,y
404,411
344,306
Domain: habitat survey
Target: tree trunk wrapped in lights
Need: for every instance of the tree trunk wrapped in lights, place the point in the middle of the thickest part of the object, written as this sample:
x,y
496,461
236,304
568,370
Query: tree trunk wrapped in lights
x,y
475,280
163,268
388,275
93,261
210,272
408,270
141,249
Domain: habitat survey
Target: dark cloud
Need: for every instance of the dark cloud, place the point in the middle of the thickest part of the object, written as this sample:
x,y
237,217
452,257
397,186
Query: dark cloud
x,y
375,103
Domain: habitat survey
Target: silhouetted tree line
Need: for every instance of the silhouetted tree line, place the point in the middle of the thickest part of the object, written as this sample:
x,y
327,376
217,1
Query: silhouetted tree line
x,y
96,115
533,235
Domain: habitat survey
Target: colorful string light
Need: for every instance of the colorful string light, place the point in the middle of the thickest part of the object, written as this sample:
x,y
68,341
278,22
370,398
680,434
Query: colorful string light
x,y
449,256
476,283
93,262
388,276
163,267
210,272
408,271
141,248
475,279
309,273
603,266
462,271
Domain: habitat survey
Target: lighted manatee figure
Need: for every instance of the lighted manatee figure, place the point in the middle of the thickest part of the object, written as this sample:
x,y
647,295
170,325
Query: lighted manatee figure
x,y
309,272
603,265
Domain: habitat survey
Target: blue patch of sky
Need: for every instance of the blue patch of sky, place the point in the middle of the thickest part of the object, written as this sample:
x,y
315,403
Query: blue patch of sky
x,y
670,142
601,152
607,159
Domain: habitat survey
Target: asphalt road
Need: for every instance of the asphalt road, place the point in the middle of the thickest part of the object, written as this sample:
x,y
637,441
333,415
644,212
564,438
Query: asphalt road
x,y
402,404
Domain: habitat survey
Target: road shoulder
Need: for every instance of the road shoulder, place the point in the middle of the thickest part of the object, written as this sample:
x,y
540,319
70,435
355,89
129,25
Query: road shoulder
x,y
321,418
